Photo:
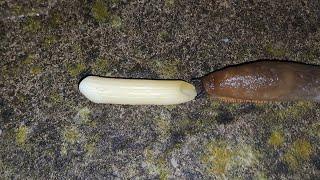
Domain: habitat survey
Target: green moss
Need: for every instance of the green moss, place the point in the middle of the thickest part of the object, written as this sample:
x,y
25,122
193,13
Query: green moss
x,y
55,98
260,176
115,2
218,157
35,70
49,41
276,139
167,69
156,165
299,152
17,9
21,135
170,107
71,135
29,59
163,170
116,22
101,65
221,158
295,111
164,35
275,51
22,98
75,69
5,71
169,3
163,127
314,130
32,25
64,149
90,148
100,11
83,115
56,20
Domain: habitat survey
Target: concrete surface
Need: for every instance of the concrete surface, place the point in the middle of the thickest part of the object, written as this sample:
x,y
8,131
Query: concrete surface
x,y
49,130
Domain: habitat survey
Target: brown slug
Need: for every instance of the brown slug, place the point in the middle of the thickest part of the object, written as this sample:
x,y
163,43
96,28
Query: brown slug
x,y
263,81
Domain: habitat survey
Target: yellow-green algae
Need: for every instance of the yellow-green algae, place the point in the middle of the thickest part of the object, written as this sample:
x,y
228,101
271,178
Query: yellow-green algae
x,y
299,153
101,65
156,164
35,70
276,51
49,41
163,127
21,135
294,111
75,69
29,59
169,3
83,115
55,20
168,68
163,35
221,158
116,22
314,130
17,9
55,98
32,25
71,135
276,139
100,11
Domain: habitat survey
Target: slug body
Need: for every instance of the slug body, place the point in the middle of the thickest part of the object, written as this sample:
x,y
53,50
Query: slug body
x,y
263,81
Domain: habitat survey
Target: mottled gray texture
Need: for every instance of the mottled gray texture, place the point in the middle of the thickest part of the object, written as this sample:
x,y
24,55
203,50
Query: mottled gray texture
x,y
49,130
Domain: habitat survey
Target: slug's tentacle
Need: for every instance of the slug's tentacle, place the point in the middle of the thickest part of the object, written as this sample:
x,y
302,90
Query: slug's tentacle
x,y
264,81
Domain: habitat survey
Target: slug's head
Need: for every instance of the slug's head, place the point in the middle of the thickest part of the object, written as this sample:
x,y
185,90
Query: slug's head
x,y
208,83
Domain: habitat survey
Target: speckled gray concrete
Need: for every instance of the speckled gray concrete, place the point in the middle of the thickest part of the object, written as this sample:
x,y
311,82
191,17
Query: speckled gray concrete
x,y
49,130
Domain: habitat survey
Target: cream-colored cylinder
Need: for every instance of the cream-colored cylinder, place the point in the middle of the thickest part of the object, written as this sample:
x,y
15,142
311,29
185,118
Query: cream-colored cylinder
x,y
136,91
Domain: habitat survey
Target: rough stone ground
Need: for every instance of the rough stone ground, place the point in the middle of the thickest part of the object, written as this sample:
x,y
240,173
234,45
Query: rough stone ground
x,y
49,130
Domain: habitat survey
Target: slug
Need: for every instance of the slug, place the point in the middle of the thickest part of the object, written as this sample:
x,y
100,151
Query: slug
x,y
263,81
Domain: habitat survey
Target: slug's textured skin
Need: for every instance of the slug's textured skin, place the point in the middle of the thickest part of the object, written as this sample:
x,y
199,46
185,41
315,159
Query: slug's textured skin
x,y
263,81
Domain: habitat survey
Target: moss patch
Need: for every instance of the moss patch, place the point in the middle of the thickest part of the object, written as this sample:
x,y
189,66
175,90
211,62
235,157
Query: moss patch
x,y
156,165
169,3
163,127
56,20
218,158
276,139
32,25
116,22
294,111
49,41
100,11
75,69
21,135
167,69
276,51
55,98
35,70
83,115
299,152
29,59
101,65
71,135
221,158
